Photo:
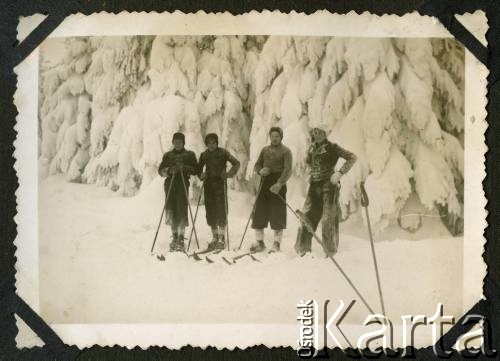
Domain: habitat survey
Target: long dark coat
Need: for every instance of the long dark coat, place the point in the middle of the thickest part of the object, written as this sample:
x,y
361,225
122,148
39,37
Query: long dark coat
x,y
176,165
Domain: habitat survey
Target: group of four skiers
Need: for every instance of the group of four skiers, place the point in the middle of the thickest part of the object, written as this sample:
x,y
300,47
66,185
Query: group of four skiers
x,y
274,165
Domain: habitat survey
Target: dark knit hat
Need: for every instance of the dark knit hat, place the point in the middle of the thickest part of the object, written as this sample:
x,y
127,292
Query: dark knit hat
x,y
276,129
179,136
211,136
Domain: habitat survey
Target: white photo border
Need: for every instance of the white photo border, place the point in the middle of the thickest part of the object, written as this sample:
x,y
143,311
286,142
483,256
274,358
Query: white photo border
x,y
320,23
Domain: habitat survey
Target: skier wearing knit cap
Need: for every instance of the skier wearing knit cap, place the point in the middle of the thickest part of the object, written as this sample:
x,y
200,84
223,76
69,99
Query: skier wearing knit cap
x,y
212,170
177,166
274,165
322,201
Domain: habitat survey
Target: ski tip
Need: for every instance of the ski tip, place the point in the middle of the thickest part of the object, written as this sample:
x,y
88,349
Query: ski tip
x,y
209,260
226,260
196,257
254,259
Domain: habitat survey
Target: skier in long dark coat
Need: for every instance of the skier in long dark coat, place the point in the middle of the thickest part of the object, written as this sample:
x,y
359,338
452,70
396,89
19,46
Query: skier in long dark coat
x,y
322,201
215,160
274,165
177,164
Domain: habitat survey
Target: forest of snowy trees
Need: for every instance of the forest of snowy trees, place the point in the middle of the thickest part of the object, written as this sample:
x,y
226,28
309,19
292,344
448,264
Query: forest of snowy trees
x,y
108,107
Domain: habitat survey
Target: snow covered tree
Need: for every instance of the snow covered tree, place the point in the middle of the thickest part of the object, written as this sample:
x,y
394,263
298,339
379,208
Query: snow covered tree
x,y
225,90
64,114
195,85
393,102
170,107
117,70
110,108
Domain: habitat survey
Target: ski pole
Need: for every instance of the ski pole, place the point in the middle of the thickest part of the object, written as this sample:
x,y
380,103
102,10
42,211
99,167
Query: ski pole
x,y
189,208
251,214
311,230
365,202
196,213
158,228
226,206
163,211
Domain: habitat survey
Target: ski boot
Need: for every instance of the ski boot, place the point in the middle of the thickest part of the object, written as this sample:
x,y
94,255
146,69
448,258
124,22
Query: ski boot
x,y
173,243
177,244
213,244
221,243
258,246
180,244
276,247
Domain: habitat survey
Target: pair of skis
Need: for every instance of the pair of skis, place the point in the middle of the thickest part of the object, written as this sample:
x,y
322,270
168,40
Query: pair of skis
x,y
195,255
208,253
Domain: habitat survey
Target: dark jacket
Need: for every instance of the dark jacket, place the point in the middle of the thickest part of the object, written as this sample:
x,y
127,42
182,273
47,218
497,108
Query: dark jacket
x,y
322,159
215,163
175,160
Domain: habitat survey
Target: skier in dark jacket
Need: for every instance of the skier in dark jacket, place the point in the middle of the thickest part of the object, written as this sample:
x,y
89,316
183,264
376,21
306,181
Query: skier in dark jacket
x,y
177,166
215,160
322,201
274,165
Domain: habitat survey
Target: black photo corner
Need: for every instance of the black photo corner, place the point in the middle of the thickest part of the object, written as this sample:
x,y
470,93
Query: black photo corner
x,y
13,53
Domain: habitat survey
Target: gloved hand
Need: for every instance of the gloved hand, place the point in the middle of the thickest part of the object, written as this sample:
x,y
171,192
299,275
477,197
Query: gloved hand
x,y
178,168
264,172
203,176
164,172
171,170
275,188
335,178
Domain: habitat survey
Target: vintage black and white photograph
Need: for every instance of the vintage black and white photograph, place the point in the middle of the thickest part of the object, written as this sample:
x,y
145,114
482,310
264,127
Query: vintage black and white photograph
x,y
221,179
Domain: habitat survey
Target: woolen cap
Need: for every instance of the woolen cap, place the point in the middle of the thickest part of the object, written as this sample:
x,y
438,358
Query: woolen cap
x,y
179,136
211,136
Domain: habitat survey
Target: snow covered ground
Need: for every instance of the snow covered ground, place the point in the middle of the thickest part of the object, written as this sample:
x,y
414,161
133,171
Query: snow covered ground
x,y
96,266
